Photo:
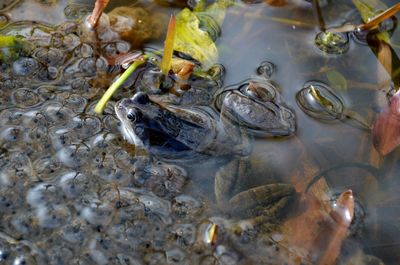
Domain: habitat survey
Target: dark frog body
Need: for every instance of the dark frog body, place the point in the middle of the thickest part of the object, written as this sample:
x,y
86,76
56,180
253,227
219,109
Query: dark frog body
x,y
171,131
256,105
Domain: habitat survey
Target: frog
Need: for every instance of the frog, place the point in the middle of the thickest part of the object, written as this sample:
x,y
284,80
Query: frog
x,y
176,131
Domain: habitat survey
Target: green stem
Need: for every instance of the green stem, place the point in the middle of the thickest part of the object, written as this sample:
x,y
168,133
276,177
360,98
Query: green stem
x,y
111,90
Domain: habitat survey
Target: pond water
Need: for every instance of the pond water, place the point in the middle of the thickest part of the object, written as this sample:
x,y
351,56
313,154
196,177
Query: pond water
x,y
74,191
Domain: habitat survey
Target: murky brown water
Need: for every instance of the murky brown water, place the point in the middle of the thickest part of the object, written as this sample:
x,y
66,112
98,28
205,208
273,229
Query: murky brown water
x,y
73,192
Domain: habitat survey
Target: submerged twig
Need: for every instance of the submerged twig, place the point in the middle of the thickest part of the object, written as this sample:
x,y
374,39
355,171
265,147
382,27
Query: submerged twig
x,y
287,21
317,12
111,90
169,46
98,9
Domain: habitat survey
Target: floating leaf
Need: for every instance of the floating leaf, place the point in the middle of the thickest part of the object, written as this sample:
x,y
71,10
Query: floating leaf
x,y
194,41
337,80
196,30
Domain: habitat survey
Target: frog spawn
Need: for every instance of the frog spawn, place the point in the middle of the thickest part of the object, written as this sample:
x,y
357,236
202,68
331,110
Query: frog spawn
x,y
57,208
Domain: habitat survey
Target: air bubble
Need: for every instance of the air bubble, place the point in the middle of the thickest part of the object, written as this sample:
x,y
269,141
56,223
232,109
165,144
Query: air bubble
x,y
266,69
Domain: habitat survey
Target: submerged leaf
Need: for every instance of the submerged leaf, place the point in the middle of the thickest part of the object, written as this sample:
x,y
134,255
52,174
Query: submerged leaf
x,y
386,129
317,233
334,233
337,80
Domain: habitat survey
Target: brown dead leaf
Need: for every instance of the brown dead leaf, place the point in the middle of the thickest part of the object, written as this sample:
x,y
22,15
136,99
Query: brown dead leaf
x,y
316,234
386,128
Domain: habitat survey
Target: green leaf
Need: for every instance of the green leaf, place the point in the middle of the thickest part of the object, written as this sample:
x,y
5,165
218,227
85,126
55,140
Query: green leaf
x,y
192,38
194,41
336,80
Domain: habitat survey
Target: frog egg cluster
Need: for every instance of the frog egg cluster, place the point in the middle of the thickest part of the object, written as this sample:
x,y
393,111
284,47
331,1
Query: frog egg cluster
x,y
71,191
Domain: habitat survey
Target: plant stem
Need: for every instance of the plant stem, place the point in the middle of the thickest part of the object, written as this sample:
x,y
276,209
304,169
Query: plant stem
x,y
111,90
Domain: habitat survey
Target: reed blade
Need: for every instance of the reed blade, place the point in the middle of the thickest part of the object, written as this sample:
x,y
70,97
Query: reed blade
x,y
169,46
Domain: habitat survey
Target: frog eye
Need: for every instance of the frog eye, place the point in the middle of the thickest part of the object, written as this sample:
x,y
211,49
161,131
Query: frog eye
x,y
131,116
258,91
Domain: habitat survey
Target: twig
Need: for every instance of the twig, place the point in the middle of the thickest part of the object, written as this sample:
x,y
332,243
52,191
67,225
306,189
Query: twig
x,y
375,21
372,23
98,9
